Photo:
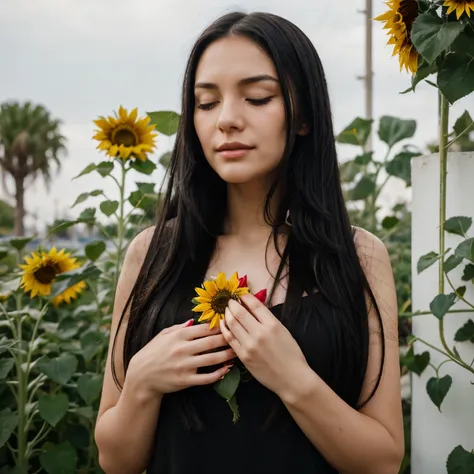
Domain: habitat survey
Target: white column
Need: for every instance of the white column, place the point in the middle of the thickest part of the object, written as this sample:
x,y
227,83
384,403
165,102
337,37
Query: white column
x,y
435,434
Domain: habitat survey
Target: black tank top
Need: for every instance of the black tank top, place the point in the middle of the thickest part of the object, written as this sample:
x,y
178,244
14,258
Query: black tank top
x,y
253,445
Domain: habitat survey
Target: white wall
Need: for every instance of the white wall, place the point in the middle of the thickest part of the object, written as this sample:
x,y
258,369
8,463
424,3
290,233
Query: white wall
x,y
435,434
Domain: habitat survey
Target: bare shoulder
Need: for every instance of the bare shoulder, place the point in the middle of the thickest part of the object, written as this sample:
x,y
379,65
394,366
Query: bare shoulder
x,y
375,262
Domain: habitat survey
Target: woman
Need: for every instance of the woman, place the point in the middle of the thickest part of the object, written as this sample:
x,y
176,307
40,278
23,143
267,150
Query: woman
x,y
254,188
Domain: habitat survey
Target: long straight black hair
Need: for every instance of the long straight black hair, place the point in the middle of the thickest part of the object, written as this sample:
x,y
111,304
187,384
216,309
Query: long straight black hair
x,y
320,251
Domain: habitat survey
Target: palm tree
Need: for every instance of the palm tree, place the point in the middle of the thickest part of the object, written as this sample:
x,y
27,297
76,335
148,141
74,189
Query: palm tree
x,y
30,143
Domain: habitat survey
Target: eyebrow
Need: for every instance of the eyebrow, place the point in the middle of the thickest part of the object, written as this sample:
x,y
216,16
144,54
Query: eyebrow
x,y
243,82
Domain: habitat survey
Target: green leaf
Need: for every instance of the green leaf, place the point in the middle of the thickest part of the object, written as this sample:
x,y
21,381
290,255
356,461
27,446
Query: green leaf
x,y
364,188
458,225
460,291
105,167
393,130
109,207
89,387
91,344
165,160
95,249
425,261
349,170
87,214
466,249
424,70
456,76
390,222
460,461
417,363
400,166
468,272
465,333
166,122
441,304
145,167
451,263
8,423
67,279
62,226
19,243
67,328
84,196
356,133
227,387
463,123
88,169
431,35
59,459
5,366
59,369
463,43
438,388
364,159
86,412
146,188
52,407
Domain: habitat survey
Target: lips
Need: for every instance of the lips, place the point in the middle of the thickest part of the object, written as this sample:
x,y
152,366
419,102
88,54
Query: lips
x,y
234,146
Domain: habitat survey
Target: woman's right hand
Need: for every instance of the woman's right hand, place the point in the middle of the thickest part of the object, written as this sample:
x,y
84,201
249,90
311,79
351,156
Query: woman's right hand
x,y
170,361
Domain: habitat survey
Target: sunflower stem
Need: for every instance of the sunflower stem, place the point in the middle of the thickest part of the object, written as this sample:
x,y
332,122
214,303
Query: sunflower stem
x,y
22,461
443,167
121,224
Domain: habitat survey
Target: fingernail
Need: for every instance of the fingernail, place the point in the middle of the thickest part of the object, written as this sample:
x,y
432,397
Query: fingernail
x,y
189,323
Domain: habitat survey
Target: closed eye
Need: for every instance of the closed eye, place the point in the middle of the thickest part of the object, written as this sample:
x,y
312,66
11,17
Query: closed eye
x,y
258,102
255,102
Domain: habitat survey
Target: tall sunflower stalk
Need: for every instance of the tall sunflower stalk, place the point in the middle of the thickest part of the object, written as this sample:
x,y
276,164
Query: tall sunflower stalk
x,y
24,323
128,140
437,38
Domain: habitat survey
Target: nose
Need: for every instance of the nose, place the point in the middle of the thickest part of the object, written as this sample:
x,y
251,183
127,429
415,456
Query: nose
x,y
230,117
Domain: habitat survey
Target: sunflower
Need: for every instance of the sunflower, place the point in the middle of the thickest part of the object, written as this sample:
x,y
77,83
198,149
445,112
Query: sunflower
x,y
124,136
461,6
399,21
40,271
215,295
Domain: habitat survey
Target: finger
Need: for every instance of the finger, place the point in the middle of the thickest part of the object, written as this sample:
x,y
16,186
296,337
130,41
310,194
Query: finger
x,y
256,308
175,327
234,315
206,344
229,337
214,358
207,379
199,330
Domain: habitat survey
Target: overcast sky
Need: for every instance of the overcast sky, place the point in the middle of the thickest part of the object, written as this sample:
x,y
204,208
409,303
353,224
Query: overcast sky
x,y
84,58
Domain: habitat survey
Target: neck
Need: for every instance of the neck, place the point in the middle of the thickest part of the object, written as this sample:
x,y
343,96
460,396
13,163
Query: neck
x,y
245,210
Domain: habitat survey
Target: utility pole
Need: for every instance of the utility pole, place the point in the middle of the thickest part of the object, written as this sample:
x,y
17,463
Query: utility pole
x,y
368,77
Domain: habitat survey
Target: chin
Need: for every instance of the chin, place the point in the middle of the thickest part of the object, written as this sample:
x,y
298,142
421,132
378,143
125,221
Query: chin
x,y
241,171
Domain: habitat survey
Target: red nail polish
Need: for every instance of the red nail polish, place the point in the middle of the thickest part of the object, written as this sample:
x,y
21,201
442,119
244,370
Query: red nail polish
x,y
189,323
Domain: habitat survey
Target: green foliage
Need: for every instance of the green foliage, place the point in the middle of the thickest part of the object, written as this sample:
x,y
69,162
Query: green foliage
x,y
52,359
445,46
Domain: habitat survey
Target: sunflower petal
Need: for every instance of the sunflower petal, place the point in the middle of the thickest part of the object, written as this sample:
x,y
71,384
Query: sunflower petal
x,y
207,316
202,307
221,281
211,288
202,292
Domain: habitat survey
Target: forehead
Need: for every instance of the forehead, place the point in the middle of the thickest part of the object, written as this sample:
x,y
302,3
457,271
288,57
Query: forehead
x,y
233,58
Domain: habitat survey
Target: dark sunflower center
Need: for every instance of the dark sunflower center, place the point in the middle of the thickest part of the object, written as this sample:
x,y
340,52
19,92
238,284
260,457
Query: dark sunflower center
x,y
46,274
220,301
124,136
409,11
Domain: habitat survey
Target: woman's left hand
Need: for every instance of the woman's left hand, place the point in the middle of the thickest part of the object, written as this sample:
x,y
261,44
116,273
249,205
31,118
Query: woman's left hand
x,y
264,345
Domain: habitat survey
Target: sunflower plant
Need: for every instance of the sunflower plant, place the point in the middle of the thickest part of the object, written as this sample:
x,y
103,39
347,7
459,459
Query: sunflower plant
x,y
437,38
56,307
211,301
